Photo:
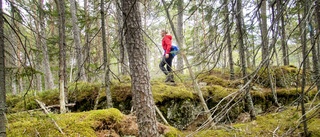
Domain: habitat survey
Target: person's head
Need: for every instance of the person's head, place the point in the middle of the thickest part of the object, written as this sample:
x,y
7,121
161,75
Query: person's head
x,y
163,33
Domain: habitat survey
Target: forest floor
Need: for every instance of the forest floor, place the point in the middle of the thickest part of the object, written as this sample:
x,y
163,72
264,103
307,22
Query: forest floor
x,y
25,118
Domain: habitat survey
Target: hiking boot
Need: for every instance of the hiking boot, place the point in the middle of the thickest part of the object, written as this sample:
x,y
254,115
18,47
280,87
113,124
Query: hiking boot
x,y
167,78
170,79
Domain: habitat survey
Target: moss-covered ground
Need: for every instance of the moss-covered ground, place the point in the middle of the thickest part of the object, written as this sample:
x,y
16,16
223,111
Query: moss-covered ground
x,y
215,85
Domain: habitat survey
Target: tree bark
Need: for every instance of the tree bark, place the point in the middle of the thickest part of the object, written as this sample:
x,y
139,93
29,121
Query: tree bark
x,y
227,28
180,34
2,79
318,25
317,45
105,57
304,64
191,73
62,56
87,48
76,35
271,52
49,84
140,77
284,46
249,102
123,52
264,30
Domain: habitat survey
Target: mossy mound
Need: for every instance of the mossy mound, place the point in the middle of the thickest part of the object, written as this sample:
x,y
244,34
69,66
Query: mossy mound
x,y
285,76
72,124
162,92
273,124
109,122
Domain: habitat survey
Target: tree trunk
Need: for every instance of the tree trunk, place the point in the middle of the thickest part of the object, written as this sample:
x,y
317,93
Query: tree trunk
x,y
304,64
284,46
105,57
2,79
76,35
123,52
180,34
272,50
49,84
140,77
38,60
11,62
315,59
264,31
86,51
227,28
317,45
62,56
249,102
192,75
318,24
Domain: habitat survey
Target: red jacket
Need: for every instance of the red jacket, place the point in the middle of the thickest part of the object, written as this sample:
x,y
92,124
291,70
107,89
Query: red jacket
x,y
166,43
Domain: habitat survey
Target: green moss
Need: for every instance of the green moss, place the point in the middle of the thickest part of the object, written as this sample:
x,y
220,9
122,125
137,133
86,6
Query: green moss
x,y
284,76
173,132
314,127
72,124
121,91
213,133
265,125
84,90
162,92
217,92
213,80
50,97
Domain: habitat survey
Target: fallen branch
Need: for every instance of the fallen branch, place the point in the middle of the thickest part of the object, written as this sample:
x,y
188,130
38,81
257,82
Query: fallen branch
x,y
160,114
43,106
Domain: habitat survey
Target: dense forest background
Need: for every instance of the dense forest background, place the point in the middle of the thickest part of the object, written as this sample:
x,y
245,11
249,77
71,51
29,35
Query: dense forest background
x,y
50,44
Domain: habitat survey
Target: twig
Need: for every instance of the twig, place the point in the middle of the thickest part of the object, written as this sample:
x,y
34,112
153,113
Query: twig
x,y
97,100
274,132
42,105
160,114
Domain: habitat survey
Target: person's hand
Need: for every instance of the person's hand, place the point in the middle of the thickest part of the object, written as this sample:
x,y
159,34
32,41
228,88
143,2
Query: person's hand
x,y
167,56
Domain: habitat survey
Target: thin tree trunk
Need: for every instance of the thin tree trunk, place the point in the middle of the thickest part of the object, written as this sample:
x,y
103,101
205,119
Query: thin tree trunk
x,y
264,31
180,34
315,59
123,52
317,45
49,84
228,28
12,61
105,57
76,35
86,51
62,56
304,65
318,25
192,75
140,77
284,46
249,102
274,29
2,79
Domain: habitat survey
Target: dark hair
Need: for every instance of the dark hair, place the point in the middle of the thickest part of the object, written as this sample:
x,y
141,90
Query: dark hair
x,y
164,31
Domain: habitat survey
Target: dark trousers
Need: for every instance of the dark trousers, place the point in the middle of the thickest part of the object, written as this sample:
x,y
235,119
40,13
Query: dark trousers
x,y
168,63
